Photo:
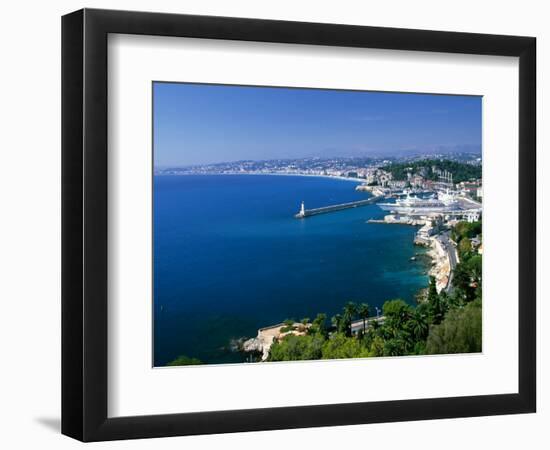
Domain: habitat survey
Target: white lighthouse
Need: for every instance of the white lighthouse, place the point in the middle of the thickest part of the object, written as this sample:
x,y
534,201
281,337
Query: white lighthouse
x,y
302,212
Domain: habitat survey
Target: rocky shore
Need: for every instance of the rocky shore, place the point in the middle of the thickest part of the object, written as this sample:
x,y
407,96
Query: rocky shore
x,y
262,343
441,265
427,237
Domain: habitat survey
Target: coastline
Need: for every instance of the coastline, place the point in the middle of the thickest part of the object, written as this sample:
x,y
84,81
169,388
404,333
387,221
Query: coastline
x,y
441,265
441,250
335,177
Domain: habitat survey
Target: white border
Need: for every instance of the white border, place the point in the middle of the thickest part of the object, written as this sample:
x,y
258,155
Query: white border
x,y
135,388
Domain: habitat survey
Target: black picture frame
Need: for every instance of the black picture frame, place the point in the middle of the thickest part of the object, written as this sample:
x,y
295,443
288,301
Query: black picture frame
x,y
84,224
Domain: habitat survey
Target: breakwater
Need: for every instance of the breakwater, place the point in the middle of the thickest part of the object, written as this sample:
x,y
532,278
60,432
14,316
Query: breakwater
x,y
331,208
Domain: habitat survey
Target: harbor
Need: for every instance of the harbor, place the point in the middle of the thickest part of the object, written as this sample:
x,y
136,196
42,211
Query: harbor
x,y
409,206
434,211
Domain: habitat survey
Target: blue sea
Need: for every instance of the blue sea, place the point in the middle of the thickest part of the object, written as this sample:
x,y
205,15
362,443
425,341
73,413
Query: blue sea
x,y
229,258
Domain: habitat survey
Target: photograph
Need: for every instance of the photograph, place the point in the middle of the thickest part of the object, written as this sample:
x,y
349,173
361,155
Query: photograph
x,y
302,224
250,225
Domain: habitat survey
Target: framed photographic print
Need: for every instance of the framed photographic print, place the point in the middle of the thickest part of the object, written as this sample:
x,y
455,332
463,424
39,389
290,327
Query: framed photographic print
x,y
273,224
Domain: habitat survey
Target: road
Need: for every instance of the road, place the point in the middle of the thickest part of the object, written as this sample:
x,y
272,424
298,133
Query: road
x,y
452,254
357,325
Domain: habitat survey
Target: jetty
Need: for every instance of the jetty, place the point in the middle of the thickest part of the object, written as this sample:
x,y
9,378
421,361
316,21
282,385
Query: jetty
x,y
303,213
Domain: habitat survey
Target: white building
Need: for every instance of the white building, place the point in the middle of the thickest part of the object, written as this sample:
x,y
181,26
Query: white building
x,y
473,215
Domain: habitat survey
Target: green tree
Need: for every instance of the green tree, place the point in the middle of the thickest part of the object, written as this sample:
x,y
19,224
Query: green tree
x,y
376,347
418,324
396,313
183,360
460,332
395,347
374,325
435,305
464,247
296,348
395,331
341,346
350,310
363,311
419,348
467,229
474,267
336,321
467,279
319,325
460,171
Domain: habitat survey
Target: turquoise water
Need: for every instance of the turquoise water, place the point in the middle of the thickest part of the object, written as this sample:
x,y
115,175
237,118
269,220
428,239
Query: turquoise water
x,y
229,258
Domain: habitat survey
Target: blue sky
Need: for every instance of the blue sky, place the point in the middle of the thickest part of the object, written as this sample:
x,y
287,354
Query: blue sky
x,y
197,124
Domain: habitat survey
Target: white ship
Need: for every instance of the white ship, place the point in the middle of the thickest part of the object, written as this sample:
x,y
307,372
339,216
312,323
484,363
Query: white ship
x,y
445,201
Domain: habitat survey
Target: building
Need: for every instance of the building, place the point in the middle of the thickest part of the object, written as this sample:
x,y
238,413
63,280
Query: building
x,y
432,226
397,184
384,178
417,181
480,192
473,215
471,188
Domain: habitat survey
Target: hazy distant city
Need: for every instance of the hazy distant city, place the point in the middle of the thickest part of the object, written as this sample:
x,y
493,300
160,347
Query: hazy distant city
x,y
357,167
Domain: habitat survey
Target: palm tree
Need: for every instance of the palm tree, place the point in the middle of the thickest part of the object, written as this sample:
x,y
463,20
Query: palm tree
x,y
337,321
395,347
419,325
350,310
363,311
374,325
318,325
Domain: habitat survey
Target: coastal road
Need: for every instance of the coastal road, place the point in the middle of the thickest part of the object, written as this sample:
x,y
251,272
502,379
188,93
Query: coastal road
x,y
453,256
357,325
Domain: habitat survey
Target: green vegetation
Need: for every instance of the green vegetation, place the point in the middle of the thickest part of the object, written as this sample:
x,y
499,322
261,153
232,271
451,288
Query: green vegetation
x,y
464,230
289,326
341,346
468,272
319,325
461,171
460,332
183,360
363,311
440,323
295,348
